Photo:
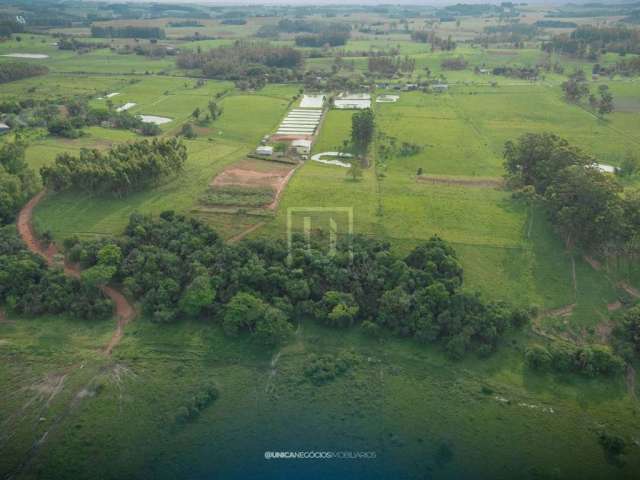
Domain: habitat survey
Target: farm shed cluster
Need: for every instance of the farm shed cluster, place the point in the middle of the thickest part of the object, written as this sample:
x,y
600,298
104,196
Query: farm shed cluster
x,y
352,101
305,119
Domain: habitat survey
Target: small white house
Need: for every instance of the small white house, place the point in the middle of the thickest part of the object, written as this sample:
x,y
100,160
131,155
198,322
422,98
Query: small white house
x,y
4,128
302,147
264,150
352,101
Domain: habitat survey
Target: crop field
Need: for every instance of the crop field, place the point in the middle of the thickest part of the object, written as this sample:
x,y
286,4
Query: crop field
x,y
67,408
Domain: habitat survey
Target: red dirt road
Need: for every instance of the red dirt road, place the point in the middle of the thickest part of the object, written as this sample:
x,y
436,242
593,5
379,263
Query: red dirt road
x,y
123,309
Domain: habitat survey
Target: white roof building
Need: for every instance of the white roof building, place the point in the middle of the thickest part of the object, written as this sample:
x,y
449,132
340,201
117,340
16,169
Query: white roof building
x,y
312,101
264,150
303,147
352,101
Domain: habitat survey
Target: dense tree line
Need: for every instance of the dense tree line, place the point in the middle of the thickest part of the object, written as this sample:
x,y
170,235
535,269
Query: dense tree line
x,y
590,42
332,39
122,169
178,267
255,63
77,45
627,333
437,43
625,67
28,286
586,205
128,31
9,26
458,63
17,181
555,24
11,71
520,28
524,73
388,66
563,357
287,25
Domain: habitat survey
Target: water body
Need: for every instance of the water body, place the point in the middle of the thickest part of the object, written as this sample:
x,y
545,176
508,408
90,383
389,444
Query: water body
x,y
26,55
155,119
126,106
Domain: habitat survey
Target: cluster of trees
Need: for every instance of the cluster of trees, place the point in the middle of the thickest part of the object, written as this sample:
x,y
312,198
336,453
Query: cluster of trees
x,y
9,26
11,71
120,170
437,43
17,181
66,116
585,204
127,31
555,24
321,369
588,41
628,333
322,39
454,63
151,50
388,147
179,267
390,66
28,286
256,63
363,126
625,67
576,88
77,45
523,29
568,358
524,73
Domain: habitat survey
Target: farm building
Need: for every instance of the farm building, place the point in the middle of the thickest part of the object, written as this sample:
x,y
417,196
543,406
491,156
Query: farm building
x,y
300,121
264,150
353,101
312,101
302,147
4,128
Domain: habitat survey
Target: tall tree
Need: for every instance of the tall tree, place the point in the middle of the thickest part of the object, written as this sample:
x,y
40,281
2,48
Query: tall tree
x,y
362,129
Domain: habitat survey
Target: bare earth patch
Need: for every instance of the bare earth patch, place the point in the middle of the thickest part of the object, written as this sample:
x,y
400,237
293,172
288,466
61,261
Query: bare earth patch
x,y
634,292
256,174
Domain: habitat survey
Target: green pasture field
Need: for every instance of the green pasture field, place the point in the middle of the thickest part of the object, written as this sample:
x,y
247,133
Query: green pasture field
x,y
84,214
417,410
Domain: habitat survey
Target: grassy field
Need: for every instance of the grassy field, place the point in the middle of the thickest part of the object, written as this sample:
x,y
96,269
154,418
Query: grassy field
x,y
416,410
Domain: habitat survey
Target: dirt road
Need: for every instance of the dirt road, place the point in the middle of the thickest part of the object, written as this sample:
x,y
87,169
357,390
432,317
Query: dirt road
x,y
123,309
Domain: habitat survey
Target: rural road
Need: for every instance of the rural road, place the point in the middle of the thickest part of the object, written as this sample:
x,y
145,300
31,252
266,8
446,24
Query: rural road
x,y
123,308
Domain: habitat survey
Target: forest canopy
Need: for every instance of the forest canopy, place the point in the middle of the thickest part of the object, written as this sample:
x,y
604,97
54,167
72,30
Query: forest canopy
x,y
178,267
122,169
11,71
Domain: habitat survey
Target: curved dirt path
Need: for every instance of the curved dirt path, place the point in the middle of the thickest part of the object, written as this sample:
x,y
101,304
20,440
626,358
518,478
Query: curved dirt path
x,y
246,232
123,309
